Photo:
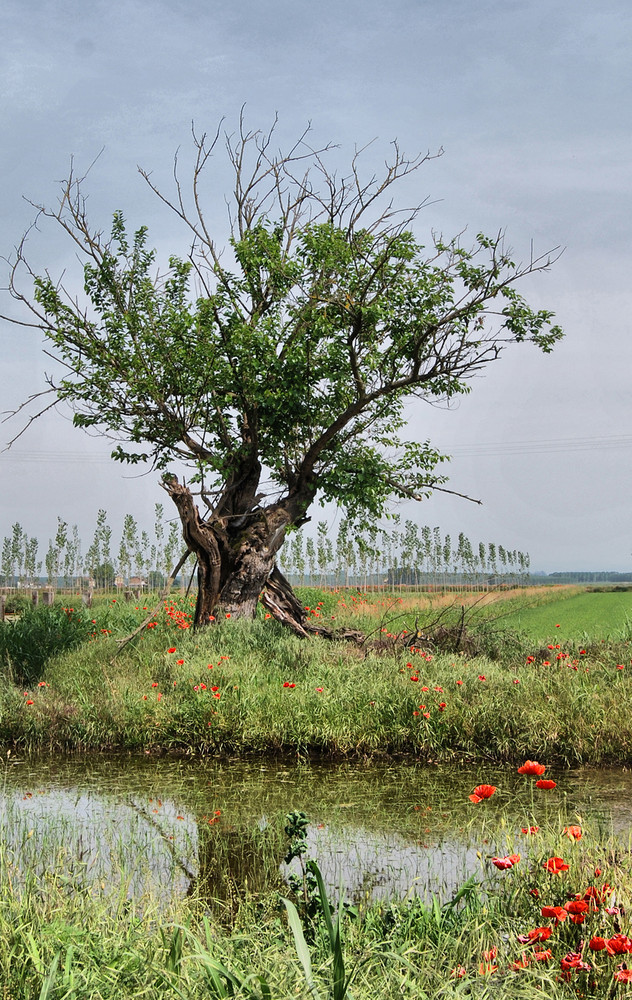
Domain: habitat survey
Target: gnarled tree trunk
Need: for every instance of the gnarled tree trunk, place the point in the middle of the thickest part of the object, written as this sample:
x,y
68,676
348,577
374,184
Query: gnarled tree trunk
x,y
236,565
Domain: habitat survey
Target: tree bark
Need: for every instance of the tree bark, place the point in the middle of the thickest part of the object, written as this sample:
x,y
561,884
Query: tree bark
x,y
235,555
236,566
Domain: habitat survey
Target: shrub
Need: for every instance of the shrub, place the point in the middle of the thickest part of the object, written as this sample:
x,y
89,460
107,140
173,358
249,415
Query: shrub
x,y
17,604
27,644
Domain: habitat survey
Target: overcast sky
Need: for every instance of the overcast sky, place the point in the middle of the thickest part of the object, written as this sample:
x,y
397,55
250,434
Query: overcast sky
x,y
530,100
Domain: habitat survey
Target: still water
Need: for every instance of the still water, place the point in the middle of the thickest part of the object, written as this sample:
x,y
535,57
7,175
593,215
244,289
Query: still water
x,y
172,825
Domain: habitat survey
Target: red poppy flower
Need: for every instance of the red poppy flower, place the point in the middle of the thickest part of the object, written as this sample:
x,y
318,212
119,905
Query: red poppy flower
x,y
595,895
543,956
545,783
486,968
172,650
482,792
556,913
555,866
522,963
618,945
597,943
537,934
532,767
179,662
459,682
573,961
573,832
530,829
481,677
507,862
576,906
623,974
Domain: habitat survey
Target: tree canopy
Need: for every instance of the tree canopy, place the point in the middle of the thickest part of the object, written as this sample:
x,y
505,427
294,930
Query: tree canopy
x,y
277,367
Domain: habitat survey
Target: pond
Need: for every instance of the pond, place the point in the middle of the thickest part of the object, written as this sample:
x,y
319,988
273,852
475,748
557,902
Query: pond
x,y
131,825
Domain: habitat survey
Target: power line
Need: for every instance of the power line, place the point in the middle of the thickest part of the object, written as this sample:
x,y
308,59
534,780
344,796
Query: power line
x,y
476,449
547,446
59,458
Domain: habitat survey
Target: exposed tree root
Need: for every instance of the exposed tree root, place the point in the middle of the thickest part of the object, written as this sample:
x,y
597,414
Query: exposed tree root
x,y
281,601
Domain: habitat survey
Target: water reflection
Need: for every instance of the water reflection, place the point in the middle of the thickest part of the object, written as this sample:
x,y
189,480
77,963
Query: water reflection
x,y
177,825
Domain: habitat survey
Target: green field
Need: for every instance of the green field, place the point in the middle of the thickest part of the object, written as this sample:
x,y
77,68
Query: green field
x,y
577,617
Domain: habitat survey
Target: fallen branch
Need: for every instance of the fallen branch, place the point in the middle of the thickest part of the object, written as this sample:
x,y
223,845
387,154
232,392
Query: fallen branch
x,y
164,593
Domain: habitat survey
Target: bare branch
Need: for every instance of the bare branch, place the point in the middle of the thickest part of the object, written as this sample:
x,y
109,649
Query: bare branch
x,y
412,495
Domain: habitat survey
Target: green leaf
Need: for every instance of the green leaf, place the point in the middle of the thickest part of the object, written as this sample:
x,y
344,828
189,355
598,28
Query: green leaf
x,y
49,982
300,944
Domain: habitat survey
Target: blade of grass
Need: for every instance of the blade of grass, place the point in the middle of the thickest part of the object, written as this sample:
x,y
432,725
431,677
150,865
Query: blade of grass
x,y
49,982
301,946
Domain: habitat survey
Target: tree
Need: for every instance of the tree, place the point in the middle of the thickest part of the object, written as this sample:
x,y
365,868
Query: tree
x,y
98,555
129,546
277,371
6,562
310,553
31,564
18,541
159,533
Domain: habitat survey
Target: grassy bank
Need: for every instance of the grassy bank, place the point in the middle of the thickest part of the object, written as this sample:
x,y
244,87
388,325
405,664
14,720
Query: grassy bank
x,y
253,688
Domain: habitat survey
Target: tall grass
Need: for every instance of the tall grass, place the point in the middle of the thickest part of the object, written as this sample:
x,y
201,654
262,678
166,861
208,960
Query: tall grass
x,y
67,942
251,687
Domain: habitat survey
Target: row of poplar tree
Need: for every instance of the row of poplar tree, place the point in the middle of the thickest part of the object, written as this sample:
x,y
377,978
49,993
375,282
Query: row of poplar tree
x,y
397,553
138,554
